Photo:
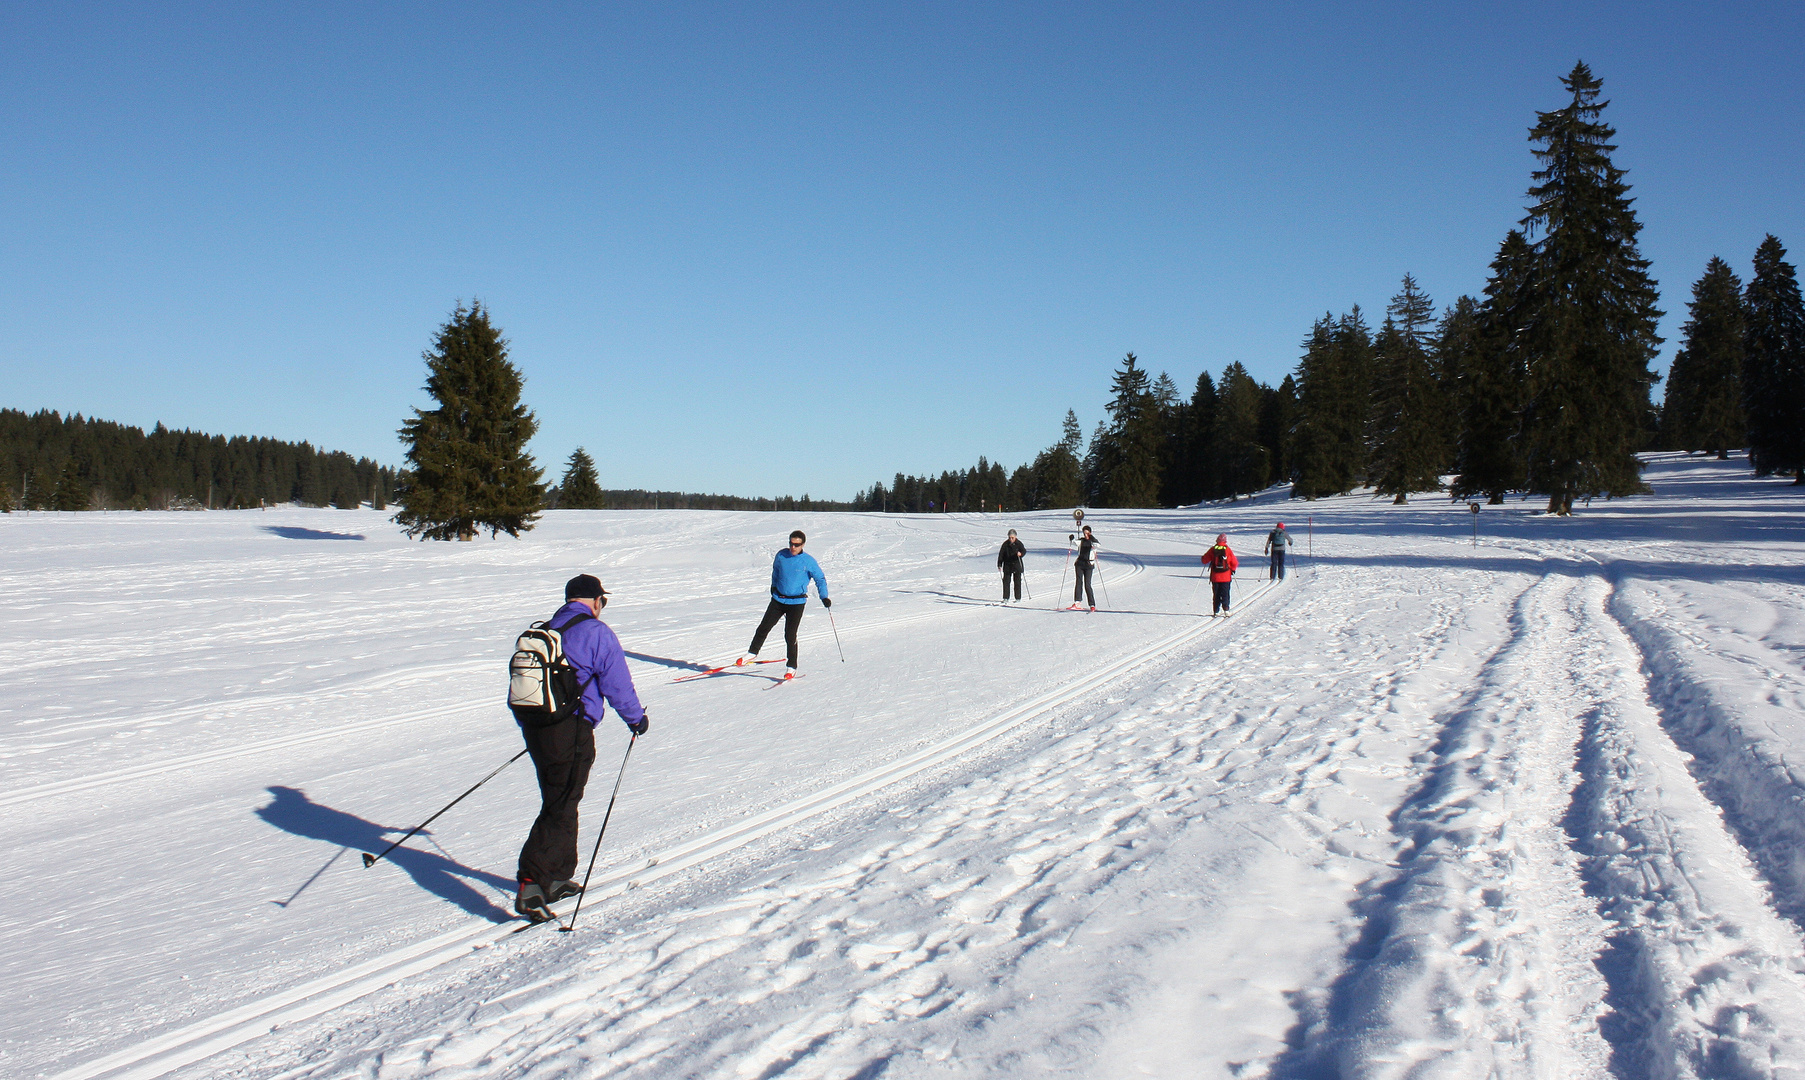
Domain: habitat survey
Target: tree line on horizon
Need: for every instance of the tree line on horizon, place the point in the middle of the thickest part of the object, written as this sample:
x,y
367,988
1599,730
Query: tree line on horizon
x,y
581,489
52,462
1541,387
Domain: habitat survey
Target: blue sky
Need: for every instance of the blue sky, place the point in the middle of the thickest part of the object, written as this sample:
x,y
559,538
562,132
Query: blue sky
x,y
787,248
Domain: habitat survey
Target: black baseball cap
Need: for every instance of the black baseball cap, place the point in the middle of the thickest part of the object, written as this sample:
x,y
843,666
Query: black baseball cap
x,y
584,587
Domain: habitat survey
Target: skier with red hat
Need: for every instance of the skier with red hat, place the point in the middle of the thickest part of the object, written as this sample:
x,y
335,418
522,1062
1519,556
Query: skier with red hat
x,y
1276,542
1222,563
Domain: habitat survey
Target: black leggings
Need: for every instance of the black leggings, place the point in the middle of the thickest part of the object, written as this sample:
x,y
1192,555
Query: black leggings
x,y
791,614
1081,583
1015,576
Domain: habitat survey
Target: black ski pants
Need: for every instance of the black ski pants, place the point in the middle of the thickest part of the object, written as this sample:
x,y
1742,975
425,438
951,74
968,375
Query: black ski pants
x,y
562,753
791,614
1219,596
1015,576
1081,584
1277,571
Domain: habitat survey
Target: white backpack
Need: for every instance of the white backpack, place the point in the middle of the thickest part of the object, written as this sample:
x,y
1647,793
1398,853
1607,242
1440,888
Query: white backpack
x,y
543,689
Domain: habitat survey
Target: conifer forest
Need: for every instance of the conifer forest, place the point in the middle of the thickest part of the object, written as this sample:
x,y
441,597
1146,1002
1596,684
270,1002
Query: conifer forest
x,y
1540,387
53,462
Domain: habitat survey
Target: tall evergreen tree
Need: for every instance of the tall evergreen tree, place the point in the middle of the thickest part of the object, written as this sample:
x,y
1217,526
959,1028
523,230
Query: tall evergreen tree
x,y
1591,320
1059,470
1174,424
1317,463
72,492
1128,465
1703,409
1278,427
580,489
1774,383
1490,375
1190,468
469,468
1239,462
1407,407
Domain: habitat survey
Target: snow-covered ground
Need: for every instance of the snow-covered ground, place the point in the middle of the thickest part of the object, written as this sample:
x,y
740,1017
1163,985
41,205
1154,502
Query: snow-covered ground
x,y
1524,808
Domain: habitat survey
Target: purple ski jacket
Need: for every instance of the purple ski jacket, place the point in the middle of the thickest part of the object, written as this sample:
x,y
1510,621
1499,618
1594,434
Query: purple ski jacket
x,y
595,652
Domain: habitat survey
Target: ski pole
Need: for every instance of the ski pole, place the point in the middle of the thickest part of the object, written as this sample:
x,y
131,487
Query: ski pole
x,y
371,860
603,831
836,629
1062,570
1101,585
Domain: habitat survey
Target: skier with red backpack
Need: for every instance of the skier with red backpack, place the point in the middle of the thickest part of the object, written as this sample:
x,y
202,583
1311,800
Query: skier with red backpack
x,y
1222,563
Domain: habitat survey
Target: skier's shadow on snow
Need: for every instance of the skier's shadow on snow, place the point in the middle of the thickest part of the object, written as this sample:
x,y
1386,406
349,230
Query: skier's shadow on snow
x,y
972,601
294,532
292,811
665,661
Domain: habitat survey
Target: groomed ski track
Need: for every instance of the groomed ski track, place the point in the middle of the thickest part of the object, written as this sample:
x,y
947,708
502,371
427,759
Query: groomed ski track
x,y
1428,810
160,1056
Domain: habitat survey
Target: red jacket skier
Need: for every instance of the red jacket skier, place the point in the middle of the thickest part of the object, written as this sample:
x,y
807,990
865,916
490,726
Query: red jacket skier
x,y
1222,563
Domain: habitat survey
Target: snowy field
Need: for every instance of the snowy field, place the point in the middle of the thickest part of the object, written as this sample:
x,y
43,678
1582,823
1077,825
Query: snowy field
x,y
1524,808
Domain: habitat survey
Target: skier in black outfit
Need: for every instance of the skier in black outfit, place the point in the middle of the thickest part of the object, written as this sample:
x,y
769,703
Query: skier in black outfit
x,y
563,752
1009,561
1081,570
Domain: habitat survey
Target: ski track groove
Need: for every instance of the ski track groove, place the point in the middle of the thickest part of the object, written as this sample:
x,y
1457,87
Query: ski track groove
x,y
203,1039
988,905
283,742
1645,969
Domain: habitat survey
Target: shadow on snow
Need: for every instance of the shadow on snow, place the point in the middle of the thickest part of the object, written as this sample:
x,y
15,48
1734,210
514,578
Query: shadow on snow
x,y
290,810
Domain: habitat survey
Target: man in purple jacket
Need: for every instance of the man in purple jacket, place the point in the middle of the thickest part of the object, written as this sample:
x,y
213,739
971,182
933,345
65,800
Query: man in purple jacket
x,y
563,752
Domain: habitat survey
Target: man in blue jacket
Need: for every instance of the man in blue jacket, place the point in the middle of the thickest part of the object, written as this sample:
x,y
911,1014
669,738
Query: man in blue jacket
x,y
563,752
790,574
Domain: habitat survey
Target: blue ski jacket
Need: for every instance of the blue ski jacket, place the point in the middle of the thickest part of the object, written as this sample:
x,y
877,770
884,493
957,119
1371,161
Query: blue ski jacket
x,y
595,652
790,573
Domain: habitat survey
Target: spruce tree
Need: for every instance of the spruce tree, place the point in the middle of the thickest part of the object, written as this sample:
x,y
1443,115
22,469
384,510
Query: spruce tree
x,y
1490,376
1057,473
580,489
469,468
72,492
1315,464
1774,364
1278,423
1354,341
1703,408
1128,464
1190,470
1238,461
1407,407
1171,415
1590,323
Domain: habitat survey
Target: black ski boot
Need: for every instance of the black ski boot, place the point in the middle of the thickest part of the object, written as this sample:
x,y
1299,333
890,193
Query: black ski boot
x,y
532,903
559,890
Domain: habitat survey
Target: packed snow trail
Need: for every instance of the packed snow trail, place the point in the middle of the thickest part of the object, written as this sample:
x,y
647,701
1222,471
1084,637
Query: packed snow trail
x,y
1536,787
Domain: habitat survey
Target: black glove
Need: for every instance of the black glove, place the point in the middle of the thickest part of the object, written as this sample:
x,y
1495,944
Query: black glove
x,y
639,726
825,602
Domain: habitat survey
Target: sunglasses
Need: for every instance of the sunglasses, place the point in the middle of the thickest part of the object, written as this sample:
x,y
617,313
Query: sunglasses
x,y
795,543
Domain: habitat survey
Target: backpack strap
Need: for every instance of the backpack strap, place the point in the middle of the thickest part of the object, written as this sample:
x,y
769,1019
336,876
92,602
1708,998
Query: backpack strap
x,y
575,619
